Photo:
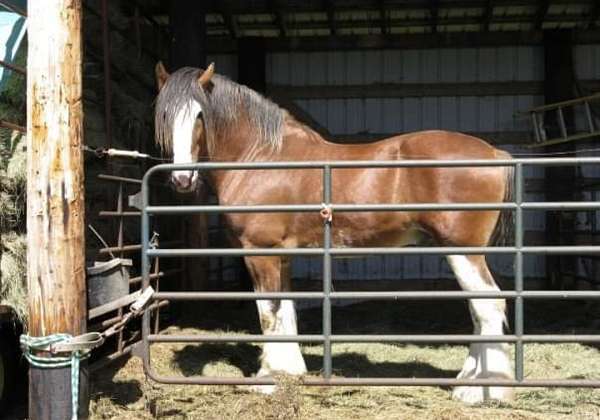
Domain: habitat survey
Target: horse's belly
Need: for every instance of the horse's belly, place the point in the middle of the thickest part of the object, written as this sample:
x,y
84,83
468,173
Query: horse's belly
x,y
406,237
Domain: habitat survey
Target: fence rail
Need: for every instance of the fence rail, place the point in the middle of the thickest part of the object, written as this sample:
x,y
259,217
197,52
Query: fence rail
x,y
327,251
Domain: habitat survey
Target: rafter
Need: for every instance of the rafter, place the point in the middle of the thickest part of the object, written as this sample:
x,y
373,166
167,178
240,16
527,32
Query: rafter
x,y
229,18
433,13
231,22
276,7
540,15
385,19
488,13
330,8
594,15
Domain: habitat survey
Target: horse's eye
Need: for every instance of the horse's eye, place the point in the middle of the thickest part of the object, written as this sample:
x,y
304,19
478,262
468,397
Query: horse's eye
x,y
199,115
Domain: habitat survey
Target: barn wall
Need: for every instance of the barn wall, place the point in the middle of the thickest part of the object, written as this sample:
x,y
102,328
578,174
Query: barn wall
x,y
481,114
391,115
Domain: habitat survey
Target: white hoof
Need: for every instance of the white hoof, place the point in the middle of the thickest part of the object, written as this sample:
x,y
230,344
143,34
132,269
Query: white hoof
x,y
479,394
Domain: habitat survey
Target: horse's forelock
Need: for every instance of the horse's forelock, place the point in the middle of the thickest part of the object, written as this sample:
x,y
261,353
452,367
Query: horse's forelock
x,y
177,93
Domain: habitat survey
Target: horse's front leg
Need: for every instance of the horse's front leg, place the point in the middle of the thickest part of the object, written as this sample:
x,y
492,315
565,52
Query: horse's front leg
x,y
277,317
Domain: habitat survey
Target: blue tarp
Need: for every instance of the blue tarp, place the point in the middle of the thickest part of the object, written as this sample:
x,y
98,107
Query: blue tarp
x,y
12,31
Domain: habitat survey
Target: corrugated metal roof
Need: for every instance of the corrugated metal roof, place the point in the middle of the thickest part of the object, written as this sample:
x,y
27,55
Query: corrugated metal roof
x,y
354,17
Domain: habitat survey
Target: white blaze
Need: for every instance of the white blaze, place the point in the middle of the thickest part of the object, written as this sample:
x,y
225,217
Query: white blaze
x,y
183,127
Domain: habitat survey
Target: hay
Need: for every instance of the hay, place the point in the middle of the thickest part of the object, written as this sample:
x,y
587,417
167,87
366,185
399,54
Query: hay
x,y
122,392
13,266
13,186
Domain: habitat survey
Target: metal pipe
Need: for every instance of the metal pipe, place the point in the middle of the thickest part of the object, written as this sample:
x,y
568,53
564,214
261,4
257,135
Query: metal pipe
x,y
466,250
205,380
349,164
110,213
396,295
145,272
154,276
519,272
372,338
131,247
327,363
119,179
300,208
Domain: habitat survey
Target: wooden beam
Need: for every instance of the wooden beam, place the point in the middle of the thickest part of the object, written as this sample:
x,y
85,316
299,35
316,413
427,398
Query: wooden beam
x,y
404,90
276,7
384,18
330,8
55,196
403,41
540,15
231,23
594,15
229,18
488,13
245,7
433,13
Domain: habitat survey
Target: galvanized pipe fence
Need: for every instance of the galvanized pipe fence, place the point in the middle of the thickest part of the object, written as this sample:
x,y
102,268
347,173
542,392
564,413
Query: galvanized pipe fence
x,y
327,252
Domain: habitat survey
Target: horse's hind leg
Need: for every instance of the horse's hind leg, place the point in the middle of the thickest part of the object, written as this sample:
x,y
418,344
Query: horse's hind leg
x,y
271,274
485,360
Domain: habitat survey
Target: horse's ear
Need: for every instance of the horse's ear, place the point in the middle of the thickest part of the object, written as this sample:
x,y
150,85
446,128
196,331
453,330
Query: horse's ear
x,y
206,75
161,75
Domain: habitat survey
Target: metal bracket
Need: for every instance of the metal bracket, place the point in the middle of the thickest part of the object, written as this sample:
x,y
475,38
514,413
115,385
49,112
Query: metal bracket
x,y
135,200
138,350
139,304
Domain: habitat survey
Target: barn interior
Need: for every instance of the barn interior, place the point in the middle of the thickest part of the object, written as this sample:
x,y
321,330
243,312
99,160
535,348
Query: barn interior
x,y
355,71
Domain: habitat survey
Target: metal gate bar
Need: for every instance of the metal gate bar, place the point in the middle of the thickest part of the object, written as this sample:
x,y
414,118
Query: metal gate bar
x,y
327,252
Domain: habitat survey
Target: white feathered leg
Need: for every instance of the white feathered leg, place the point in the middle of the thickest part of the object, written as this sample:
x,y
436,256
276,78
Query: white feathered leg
x,y
485,360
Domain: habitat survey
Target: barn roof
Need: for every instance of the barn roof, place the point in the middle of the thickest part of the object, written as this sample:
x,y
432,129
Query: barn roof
x,y
310,18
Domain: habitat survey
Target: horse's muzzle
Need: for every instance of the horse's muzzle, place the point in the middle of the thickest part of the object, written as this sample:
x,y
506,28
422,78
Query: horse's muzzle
x,y
184,181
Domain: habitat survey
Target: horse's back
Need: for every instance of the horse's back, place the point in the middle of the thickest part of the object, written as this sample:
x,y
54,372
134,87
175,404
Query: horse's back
x,y
440,144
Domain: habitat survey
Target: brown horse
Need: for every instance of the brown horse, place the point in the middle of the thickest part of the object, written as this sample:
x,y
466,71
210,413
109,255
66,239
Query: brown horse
x,y
201,115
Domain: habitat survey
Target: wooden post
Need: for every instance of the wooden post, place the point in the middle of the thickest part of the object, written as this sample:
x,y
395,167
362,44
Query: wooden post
x,y
55,196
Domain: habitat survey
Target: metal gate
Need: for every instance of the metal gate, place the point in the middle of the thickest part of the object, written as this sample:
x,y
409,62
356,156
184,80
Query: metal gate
x,y
327,252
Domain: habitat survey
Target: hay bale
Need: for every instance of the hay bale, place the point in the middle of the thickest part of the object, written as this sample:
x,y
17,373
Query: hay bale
x,y
13,272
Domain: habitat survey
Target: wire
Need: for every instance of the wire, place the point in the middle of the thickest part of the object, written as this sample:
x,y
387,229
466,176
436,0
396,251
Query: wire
x,y
134,154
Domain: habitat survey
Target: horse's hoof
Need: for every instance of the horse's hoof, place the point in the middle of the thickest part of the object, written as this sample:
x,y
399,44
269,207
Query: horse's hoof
x,y
479,394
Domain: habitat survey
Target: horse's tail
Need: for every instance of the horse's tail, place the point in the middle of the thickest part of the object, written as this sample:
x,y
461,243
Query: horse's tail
x,y
505,226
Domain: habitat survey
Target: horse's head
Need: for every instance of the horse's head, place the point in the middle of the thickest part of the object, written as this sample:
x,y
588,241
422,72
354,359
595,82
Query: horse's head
x,y
179,122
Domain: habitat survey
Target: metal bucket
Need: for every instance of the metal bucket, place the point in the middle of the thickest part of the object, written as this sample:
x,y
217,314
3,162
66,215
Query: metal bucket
x,y
107,281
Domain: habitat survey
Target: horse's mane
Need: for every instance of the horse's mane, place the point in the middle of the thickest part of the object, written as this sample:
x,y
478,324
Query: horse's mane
x,y
221,109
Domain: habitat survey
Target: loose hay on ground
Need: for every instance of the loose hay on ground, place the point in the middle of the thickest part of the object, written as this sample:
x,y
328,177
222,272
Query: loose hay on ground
x,y
118,394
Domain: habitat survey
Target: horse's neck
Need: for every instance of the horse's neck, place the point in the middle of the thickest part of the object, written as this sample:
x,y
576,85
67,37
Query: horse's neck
x,y
299,143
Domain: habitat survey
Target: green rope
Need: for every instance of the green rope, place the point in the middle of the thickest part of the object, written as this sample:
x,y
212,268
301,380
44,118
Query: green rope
x,y
33,345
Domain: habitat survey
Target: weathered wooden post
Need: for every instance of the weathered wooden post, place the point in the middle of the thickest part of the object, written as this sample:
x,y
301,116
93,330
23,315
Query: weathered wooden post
x,y
55,196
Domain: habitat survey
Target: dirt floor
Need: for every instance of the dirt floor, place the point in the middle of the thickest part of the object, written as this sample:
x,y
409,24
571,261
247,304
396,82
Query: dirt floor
x,y
120,392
